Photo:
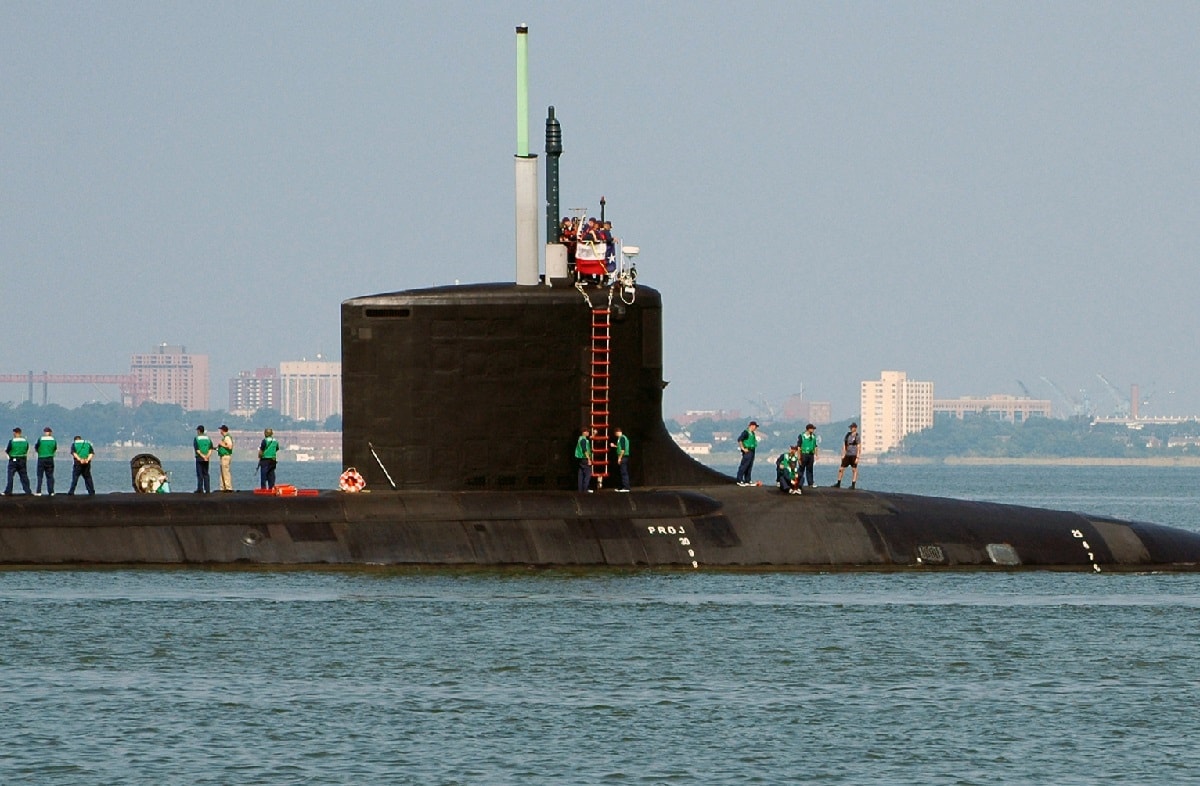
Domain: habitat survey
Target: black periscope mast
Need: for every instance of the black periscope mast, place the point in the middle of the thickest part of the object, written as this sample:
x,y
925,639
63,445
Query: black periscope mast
x,y
471,397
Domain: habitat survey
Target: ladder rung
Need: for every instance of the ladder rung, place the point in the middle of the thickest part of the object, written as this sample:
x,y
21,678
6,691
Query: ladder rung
x,y
599,398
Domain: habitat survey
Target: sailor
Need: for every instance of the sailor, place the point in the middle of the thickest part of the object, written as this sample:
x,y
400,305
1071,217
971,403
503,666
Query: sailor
x,y
225,456
583,455
622,458
747,442
787,471
203,447
809,444
268,450
82,454
18,451
45,447
850,445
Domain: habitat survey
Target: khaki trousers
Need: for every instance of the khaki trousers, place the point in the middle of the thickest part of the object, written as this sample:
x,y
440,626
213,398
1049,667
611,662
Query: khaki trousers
x,y
227,473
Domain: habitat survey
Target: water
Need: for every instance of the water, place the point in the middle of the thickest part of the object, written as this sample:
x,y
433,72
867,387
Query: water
x,y
379,676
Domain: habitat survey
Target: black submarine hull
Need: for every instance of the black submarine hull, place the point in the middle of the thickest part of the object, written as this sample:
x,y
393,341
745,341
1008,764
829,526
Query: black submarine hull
x,y
723,527
472,397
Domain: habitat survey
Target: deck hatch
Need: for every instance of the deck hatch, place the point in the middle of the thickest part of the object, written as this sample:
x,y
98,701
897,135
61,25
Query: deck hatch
x,y
931,554
1003,554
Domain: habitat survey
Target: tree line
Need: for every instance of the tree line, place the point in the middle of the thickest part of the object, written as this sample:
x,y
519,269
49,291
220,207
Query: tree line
x,y
150,424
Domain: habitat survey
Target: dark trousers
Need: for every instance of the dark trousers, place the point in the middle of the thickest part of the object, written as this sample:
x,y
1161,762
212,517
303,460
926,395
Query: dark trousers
x,y
17,466
203,483
623,465
45,469
82,471
747,464
585,474
806,467
266,473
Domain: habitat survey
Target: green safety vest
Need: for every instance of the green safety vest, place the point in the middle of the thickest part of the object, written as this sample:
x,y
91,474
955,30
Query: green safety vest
x,y
225,451
623,446
46,447
808,443
81,448
18,447
269,448
203,444
583,448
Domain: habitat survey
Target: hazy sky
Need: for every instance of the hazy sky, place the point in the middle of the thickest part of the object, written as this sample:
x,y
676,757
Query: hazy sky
x,y
975,193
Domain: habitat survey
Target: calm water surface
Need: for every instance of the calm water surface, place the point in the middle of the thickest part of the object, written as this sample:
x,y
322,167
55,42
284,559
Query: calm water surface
x,y
374,676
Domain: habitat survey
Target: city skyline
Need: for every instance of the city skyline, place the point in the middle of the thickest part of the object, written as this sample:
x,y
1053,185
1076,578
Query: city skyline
x,y
1106,402
300,389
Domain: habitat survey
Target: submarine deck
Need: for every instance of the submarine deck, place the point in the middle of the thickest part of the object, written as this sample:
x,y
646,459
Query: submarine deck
x,y
724,527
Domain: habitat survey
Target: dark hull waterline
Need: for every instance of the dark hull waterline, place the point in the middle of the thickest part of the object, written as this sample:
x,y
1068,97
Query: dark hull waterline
x,y
724,527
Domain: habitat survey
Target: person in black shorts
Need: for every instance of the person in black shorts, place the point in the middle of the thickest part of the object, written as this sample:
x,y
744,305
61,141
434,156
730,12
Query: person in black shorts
x,y
850,446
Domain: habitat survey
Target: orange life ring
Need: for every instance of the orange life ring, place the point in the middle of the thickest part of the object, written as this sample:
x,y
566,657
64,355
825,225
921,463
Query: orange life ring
x,y
351,481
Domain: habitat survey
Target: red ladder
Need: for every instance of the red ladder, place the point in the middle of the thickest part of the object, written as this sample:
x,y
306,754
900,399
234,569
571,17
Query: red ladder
x,y
601,375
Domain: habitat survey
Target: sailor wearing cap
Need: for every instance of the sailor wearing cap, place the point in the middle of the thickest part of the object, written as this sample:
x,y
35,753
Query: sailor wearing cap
x,y
747,442
203,447
268,450
82,454
45,447
810,447
225,456
18,452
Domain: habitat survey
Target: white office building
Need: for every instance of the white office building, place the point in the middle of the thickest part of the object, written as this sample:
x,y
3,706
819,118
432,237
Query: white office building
x,y
310,389
893,407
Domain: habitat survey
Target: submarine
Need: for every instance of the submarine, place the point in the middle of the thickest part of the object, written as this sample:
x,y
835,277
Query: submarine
x,y
461,409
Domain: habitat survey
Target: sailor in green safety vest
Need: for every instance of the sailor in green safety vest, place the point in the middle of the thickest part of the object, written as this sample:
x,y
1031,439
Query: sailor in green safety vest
x,y
18,452
203,447
81,453
45,447
622,457
225,456
787,471
747,443
268,450
810,446
583,455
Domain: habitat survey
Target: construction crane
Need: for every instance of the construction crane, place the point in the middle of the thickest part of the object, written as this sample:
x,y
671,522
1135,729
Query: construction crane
x,y
1024,389
764,405
1073,406
133,389
1122,409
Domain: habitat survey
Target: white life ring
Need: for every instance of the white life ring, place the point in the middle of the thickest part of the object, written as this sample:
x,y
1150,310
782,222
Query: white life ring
x,y
351,481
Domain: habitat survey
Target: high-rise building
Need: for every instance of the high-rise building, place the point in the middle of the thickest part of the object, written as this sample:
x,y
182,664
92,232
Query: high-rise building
x,y
893,407
171,375
251,391
310,389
